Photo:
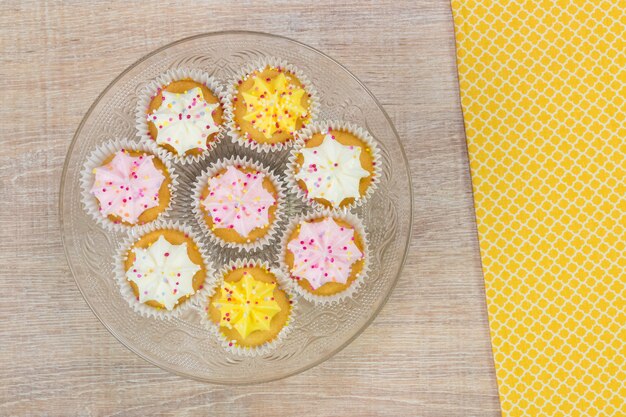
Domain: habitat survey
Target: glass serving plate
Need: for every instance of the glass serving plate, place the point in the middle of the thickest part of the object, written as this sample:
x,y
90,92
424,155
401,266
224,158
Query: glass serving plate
x,y
183,345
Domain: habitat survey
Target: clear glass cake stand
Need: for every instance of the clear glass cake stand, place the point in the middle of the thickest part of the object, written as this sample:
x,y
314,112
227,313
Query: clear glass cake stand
x,y
183,346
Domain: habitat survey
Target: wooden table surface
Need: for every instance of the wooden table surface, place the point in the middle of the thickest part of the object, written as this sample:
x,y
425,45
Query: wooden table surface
x,y
55,356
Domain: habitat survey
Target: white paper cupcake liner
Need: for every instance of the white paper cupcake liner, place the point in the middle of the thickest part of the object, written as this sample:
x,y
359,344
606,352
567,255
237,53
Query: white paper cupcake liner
x,y
127,291
323,127
155,86
231,345
212,170
231,92
359,229
96,158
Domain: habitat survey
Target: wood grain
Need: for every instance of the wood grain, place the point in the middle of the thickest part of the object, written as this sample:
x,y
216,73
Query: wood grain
x,y
427,354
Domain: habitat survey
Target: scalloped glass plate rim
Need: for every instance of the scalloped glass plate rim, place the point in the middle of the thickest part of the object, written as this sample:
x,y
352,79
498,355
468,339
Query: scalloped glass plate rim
x,y
62,195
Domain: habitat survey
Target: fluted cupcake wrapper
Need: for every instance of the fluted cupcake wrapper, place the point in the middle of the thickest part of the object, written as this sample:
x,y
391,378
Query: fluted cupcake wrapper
x,y
212,170
161,313
231,345
148,93
231,92
359,229
324,127
96,158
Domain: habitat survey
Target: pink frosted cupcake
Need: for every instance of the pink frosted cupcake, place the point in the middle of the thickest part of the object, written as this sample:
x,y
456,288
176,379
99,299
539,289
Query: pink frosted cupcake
x,y
127,184
326,255
238,202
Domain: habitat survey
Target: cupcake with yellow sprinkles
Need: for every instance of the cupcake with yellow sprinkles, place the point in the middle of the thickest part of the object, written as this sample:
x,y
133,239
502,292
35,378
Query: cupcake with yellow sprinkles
x,y
326,255
126,185
238,203
268,104
334,165
182,112
251,309
163,271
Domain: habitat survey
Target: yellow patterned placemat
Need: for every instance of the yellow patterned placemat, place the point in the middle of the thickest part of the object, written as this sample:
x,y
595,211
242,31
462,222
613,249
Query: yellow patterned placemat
x,y
543,88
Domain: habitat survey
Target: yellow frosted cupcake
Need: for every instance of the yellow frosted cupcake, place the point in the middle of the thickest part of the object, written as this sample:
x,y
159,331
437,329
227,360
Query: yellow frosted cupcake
x,y
269,105
250,307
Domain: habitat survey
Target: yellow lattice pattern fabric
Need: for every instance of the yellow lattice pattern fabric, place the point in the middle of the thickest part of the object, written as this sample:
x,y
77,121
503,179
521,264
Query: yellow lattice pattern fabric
x,y
543,88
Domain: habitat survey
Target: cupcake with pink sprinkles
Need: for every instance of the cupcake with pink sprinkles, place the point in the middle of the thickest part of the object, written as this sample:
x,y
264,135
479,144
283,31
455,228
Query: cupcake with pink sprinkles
x,y
238,203
325,254
126,184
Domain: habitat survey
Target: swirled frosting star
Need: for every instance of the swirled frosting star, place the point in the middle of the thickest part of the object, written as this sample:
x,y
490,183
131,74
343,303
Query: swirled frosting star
x,y
184,121
332,171
274,104
163,272
247,305
127,186
237,200
323,252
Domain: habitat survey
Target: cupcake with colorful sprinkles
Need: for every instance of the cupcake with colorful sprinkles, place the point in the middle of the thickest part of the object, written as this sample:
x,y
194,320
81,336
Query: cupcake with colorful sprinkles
x,y
268,103
181,111
326,255
239,203
161,271
126,184
334,165
250,309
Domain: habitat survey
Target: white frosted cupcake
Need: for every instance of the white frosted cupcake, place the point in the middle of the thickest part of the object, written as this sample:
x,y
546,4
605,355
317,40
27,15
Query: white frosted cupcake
x,y
163,271
334,165
182,112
